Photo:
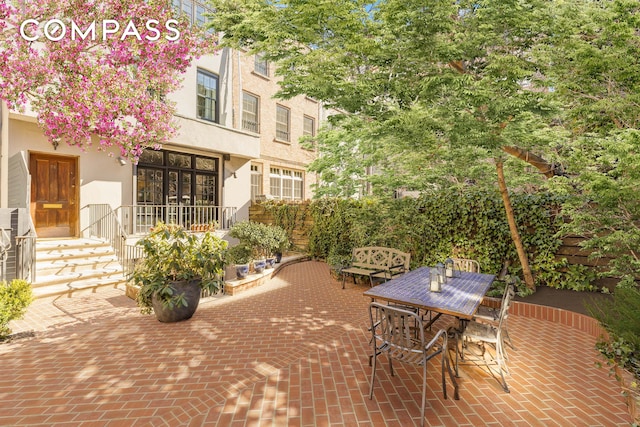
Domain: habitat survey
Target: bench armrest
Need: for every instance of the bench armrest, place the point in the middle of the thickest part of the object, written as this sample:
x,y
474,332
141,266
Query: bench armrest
x,y
374,272
397,269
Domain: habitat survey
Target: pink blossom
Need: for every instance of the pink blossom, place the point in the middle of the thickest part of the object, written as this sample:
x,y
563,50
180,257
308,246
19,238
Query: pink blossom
x,y
84,88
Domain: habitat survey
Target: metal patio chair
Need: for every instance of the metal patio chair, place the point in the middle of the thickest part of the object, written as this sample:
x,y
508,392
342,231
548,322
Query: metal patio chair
x,y
483,335
469,265
394,333
491,315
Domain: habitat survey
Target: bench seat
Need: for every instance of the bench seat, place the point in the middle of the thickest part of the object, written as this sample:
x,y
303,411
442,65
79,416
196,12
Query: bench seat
x,y
376,262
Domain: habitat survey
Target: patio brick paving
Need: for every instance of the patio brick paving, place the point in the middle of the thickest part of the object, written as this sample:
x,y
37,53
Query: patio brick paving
x,y
293,352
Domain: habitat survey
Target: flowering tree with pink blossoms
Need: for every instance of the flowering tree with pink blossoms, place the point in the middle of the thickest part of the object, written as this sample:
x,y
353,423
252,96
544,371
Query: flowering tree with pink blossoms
x,y
97,72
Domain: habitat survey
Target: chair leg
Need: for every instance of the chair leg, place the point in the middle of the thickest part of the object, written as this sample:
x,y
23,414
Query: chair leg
x,y
508,340
501,362
424,392
373,371
444,379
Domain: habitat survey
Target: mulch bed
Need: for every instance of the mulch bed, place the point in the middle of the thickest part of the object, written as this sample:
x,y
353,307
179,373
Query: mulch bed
x,y
563,298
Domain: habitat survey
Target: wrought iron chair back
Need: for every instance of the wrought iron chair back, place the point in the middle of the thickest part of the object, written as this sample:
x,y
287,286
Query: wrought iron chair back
x,y
400,334
469,265
486,333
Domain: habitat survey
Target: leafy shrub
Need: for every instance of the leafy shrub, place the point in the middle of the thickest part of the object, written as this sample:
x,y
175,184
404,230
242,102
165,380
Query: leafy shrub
x,y
15,297
264,240
620,317
239,254
466,223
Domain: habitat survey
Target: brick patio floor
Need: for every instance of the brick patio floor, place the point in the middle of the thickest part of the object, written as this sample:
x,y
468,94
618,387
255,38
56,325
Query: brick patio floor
x,y
293,352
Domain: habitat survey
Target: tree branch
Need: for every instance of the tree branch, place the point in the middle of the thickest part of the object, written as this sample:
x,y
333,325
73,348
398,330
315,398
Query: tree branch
x,y
548,169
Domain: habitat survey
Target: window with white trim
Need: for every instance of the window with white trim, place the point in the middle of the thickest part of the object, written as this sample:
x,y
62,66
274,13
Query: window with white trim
x,y
282,123
285,184
256,181
250,110
207,104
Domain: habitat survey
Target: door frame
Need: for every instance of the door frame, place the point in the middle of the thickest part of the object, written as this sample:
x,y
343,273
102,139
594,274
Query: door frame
x,y
75,223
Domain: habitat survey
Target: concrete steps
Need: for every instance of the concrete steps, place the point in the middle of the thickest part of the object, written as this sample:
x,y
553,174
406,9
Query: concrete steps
x,y
67,266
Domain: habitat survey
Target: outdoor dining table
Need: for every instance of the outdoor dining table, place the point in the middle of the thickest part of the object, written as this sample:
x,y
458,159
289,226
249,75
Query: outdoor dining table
x,y
460,296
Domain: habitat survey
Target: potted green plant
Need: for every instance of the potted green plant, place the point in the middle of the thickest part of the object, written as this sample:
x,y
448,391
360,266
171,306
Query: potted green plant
x,y
176,267
254,235
240,256
280,242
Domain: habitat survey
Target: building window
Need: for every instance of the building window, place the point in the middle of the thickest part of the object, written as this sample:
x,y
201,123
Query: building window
x,y
177,178
286,184
282,123
207,108
297,186
261,65
250,113
309,126
194,11
256,181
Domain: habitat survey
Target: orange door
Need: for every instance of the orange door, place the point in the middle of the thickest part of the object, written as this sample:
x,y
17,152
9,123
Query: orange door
x,y
54,198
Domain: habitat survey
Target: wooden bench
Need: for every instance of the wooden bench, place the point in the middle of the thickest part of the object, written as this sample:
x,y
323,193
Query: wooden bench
x,y
377,263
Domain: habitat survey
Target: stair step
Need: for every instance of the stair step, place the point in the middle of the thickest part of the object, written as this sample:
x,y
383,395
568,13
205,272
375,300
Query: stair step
x,y
65,266
72,253
68,243
68,277
78,286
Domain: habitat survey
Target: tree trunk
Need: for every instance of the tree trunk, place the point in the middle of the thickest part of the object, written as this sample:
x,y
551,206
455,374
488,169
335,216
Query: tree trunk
x,y
515,235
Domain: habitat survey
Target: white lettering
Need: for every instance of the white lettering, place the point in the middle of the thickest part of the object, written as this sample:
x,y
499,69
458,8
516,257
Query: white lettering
x,y
24,35
106,30
58,26
55,30
175,31
75,30
130,30
151,26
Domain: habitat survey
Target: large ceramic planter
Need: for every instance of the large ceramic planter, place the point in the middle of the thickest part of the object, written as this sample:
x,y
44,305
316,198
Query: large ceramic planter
x,y
259,265
270,262
191,292
242,270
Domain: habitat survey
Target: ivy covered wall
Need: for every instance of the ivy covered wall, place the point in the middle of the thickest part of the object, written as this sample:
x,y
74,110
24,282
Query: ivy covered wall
x,y
469,224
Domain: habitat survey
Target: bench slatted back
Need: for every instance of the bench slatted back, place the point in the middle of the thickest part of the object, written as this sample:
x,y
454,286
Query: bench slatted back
x,y
375,257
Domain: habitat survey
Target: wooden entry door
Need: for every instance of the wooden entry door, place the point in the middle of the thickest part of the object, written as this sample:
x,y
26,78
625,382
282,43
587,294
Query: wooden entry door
x,y
54,196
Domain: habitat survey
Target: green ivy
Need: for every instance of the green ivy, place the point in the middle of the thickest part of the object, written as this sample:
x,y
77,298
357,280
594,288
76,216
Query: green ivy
x,y
466,223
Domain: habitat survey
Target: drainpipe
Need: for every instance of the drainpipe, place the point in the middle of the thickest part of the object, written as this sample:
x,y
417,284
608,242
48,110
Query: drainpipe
x,y
4,155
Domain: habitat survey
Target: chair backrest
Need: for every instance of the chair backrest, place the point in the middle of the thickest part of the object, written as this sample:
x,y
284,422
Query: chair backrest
x,y
469,265
399,332
507,299
393,328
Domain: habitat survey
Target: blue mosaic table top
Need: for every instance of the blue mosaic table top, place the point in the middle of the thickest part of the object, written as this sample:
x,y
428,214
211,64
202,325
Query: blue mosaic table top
x,y
459,297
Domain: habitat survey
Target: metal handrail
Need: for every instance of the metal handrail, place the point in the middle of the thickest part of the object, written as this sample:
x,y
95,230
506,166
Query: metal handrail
x,y
139,219
5,246
104,224
26,254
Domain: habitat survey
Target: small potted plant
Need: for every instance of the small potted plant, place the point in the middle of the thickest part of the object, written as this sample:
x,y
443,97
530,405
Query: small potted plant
x,y
254,235
240,256
176,267
280,242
